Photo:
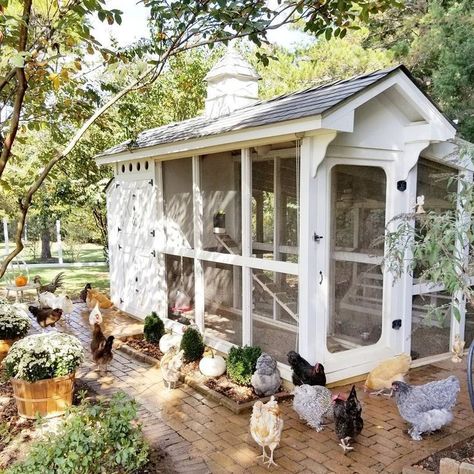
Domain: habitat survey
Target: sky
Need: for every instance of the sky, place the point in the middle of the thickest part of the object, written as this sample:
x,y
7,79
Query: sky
x,y
134,27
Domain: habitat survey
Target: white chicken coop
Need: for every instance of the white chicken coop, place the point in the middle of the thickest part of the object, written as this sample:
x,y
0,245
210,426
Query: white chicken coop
x,y
258,219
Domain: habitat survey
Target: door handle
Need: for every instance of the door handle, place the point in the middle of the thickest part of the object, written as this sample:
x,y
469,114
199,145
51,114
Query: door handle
x,y
317,237
320,278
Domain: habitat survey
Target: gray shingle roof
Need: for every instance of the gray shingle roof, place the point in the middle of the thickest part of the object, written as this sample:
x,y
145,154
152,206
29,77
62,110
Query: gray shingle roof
x,y
312,101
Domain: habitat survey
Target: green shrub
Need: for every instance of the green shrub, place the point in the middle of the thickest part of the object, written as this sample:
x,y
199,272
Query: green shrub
x,y
241,363
98,437
154,328
192,344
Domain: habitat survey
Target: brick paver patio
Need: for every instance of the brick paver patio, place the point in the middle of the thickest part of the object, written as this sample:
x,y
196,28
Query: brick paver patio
x,y
201,436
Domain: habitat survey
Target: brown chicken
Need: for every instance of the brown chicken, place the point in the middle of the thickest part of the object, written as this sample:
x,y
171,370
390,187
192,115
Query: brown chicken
x,y
51,287
83,293
98,338
46,316
94,296
103,355
388,371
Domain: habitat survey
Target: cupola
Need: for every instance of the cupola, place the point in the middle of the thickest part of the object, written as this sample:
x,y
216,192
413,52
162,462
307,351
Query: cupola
x,y
231,84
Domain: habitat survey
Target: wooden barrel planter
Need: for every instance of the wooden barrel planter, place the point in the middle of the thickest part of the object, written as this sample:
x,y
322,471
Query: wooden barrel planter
x,y
48,398
5,345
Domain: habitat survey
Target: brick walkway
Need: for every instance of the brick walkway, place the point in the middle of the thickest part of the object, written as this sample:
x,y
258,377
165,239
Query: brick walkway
x,y
201,436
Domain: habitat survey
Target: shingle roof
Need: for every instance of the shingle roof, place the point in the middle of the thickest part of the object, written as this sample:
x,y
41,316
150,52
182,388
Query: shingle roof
x,y
305,103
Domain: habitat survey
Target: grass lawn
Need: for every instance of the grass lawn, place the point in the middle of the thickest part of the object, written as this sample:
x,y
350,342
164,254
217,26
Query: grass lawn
x,y
75,278
82,252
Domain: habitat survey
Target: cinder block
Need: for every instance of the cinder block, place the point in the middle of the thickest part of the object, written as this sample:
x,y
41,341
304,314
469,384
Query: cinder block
x,y
415,470
466,468
449,466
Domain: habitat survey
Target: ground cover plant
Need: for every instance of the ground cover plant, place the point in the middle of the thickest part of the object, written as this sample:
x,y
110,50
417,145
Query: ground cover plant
x,y
96,437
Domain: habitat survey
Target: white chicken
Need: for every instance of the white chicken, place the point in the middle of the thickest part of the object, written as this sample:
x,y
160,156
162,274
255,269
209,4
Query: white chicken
x,y
171,364
266,425
47,300
95,315
50,300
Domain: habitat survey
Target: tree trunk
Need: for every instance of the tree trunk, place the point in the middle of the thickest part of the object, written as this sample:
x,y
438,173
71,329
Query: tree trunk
x,y
45,245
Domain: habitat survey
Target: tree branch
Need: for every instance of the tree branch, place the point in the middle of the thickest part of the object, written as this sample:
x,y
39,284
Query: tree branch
x,y
20,90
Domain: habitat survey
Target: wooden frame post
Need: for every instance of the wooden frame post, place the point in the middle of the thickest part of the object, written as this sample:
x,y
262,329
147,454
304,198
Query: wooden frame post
x,y
312,301
199,289
160,242
247,299
462,250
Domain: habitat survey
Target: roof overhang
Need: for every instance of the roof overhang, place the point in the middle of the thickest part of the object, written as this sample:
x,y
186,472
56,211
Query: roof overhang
x,y
434,126
277,132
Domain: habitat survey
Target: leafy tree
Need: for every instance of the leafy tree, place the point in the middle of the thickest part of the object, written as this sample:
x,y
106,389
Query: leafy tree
x,y
321,62
435,39
43,42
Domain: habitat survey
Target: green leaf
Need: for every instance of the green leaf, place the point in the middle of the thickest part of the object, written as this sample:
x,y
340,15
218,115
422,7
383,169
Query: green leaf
x,y
17,60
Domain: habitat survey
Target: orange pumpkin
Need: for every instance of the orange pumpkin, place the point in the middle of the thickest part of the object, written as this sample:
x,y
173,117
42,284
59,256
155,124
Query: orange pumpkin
x,y
21,280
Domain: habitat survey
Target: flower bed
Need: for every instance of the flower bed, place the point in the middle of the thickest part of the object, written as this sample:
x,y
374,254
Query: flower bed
x,y
17,433
236,397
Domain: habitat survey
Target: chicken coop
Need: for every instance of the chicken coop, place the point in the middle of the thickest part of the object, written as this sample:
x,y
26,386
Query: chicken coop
x,y
263,221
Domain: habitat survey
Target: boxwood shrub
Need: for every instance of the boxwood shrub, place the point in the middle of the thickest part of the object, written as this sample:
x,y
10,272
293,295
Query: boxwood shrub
x,y
241,363
154,328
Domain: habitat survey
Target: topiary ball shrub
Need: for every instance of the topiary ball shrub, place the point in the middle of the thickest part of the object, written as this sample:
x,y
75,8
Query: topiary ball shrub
x,y
192,344
154,328
241,363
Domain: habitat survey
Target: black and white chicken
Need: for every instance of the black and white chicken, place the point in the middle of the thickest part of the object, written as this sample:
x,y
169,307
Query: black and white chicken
x,y
347,418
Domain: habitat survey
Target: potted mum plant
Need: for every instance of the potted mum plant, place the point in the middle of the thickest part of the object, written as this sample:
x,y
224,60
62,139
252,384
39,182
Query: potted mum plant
x,y
42,368
14,324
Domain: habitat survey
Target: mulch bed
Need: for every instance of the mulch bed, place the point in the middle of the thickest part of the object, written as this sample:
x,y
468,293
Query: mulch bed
x,y
462,452
158,462
10,422
231,390
148,348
